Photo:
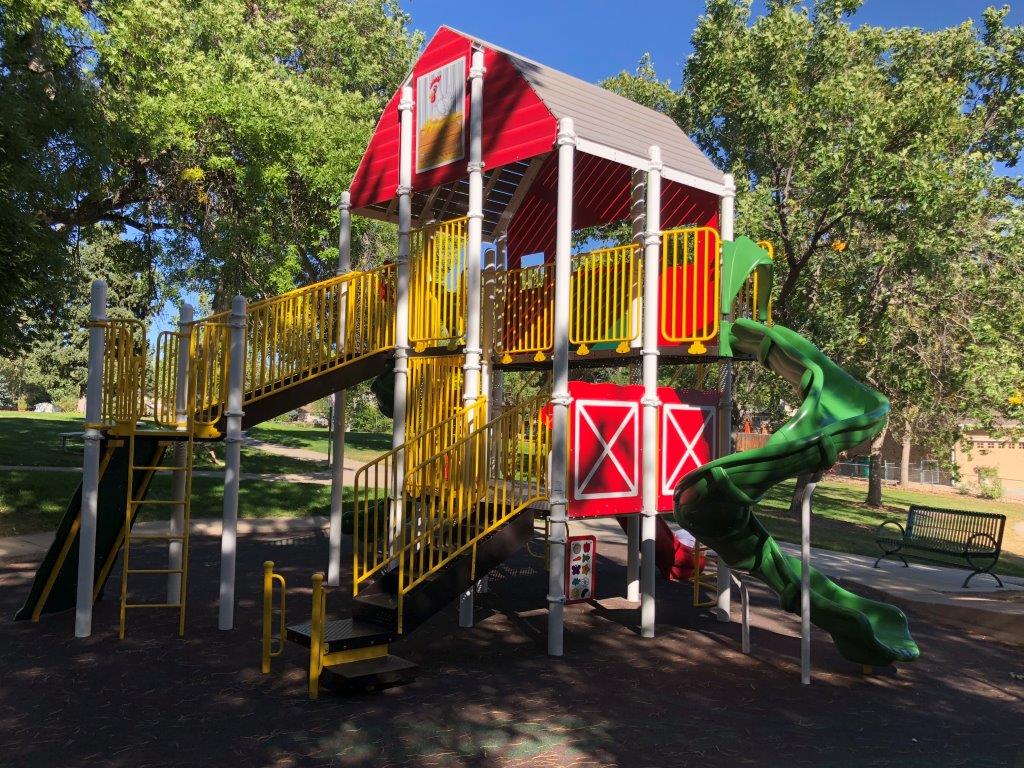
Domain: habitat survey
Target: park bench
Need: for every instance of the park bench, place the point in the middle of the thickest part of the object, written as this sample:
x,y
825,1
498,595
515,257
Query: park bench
x,y
976,537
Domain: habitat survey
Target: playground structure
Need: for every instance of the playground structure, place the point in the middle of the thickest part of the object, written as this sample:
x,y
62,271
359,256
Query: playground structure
x,y
475,186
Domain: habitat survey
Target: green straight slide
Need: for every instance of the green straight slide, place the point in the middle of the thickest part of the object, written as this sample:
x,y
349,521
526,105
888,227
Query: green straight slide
x,y
715,502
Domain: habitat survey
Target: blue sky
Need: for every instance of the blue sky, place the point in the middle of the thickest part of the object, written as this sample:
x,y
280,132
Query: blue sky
x,y
593,39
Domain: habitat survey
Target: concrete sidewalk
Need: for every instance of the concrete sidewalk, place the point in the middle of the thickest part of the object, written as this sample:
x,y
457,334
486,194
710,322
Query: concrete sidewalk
x,y
931,591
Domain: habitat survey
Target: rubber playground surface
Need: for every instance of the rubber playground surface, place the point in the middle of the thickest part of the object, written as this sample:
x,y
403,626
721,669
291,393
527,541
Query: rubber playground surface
x,y
489,696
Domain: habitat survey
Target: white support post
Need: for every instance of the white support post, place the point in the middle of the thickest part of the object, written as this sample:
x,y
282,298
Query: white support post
x,y
338,427
232,465
638,219
404,193
180,489
650,402
91,462
560,398
474,242
727,217
805,579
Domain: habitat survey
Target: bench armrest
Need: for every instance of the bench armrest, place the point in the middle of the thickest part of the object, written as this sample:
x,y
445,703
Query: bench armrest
x,y
891,522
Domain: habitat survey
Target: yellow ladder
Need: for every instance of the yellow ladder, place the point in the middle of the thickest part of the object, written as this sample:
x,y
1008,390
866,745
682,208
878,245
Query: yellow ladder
x,y
136,502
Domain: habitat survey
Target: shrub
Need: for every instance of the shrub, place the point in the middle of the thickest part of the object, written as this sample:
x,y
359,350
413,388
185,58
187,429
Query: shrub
x,y
989,484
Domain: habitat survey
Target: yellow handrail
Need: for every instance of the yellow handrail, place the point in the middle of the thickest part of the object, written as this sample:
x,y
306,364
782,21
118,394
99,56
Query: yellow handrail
x,y
268,651
375,484
435,388
524,320
296,336
165,377
462,494
603,289
690,280
437,285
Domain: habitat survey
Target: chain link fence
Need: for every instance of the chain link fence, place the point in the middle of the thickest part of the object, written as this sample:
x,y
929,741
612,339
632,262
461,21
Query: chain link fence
x,y
925,472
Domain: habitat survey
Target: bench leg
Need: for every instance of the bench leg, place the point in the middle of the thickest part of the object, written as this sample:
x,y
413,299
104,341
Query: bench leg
x,y
886,554
978,572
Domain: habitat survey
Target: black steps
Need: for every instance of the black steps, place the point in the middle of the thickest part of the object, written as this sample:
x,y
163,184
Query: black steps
x,y
343,634
369,674
378,604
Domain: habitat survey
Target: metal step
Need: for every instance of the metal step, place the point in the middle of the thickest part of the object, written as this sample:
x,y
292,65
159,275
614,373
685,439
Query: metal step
x,y
343,634
369,675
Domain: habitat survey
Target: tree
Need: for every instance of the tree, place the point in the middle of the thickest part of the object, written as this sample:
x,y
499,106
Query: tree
x,y
223,129
866,155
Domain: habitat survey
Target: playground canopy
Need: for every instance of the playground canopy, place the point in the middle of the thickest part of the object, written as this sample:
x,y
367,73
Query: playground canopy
x,y
523,103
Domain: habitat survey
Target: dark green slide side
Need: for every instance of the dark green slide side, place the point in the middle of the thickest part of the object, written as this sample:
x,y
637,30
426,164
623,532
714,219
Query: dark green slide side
x,y
715,502
56,583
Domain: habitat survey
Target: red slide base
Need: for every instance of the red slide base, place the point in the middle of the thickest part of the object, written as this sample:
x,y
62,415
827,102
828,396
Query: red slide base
x,y
673,558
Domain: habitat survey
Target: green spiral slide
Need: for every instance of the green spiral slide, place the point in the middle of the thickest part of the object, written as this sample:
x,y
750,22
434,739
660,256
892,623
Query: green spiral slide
x,y
715,502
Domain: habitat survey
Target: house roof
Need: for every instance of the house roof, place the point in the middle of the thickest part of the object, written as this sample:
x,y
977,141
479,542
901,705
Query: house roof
x,y
523,102
606,120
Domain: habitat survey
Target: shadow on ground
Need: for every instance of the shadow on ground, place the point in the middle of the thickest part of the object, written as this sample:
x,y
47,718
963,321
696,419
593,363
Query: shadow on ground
x,y
490,696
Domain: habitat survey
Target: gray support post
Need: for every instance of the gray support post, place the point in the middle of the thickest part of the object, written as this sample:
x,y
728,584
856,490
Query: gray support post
x,y
805,578
338,425
91,461
560,399
180,489
726,225
638,220
474,242
650,402
232,465
404,193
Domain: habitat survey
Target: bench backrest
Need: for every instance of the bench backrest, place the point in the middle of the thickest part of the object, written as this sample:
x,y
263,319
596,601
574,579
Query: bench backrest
x,y
956,526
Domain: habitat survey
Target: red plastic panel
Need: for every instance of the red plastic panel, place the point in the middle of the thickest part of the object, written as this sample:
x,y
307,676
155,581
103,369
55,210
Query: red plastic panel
x,y
517,125
687,436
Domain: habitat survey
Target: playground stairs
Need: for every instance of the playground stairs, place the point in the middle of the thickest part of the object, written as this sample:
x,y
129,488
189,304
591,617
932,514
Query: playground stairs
x,y
298,347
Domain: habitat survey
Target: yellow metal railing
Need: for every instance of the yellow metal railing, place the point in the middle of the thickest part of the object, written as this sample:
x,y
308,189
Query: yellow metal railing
x,y
375,486
747,300
469,491
289,339
297,336
437,285
689,286
603,290
124,372
435,389
165,378
268,650
524,320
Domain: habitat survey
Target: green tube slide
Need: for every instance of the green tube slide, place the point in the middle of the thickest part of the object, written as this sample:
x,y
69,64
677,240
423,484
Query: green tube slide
x,y
715,502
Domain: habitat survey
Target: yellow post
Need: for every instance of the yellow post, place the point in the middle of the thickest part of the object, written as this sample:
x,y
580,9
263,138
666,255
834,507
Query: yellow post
x,y
316,633
268,594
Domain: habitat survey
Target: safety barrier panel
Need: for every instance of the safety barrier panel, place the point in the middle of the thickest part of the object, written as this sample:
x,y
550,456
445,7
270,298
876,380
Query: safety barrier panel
x,y
689,287
435,386
289,339
524,320
297,336
437,285
604,289
747,299
468,491
376,486
124,372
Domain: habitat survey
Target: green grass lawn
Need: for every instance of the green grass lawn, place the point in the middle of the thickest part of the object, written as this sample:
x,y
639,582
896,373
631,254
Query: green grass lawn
x,y
844,523
361,446
32,440
33,501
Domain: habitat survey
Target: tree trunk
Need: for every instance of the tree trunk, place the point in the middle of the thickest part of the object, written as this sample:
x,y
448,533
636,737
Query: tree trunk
x,y
875,473
798,496
905,459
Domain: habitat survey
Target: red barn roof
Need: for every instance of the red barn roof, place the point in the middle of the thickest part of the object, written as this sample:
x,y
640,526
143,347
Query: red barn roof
x,y
523,101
